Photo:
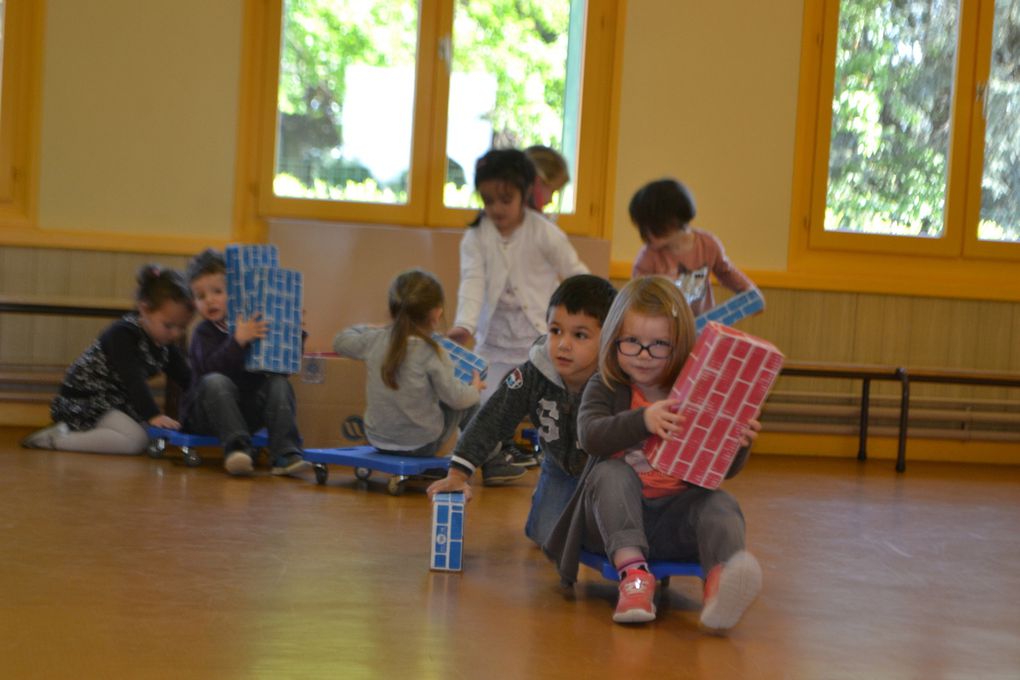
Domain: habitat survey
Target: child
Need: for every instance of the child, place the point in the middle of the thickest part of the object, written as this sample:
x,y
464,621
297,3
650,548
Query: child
x,y
511,260
551,175
623,507
227,400
413,401
548,389
105,400
662,212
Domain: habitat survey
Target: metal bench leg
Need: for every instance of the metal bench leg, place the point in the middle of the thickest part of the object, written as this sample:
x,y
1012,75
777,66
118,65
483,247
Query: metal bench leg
x,y
862,446
901,451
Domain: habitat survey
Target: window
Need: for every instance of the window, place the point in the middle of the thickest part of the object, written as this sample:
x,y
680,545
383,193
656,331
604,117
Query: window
x,y
908,134
20,40
376,111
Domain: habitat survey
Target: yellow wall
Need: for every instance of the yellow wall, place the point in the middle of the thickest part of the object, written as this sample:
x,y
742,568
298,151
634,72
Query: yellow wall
x,y
139,116
709,96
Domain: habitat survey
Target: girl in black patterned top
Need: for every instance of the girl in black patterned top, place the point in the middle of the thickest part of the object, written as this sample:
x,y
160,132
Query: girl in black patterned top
x,y
105,400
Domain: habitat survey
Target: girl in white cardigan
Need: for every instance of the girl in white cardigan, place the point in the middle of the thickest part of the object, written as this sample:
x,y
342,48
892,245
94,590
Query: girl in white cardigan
x,y
511,260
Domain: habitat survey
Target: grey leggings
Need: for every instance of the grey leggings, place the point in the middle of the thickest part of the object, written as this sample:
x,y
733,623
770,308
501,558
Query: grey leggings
x,y
115,432
698,524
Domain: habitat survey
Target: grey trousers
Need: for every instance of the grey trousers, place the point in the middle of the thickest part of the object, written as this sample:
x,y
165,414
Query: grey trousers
x,y
220,409
452,421
696,525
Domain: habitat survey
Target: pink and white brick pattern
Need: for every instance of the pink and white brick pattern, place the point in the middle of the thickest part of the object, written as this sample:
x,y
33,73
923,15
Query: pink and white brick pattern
x,y
720,389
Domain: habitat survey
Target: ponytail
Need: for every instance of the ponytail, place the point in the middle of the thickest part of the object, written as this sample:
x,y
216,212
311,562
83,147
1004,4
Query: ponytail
x,y
412,297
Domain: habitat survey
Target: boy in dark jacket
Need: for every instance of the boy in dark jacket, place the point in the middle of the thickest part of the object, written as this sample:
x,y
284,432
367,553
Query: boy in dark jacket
x,y
225,399
547,388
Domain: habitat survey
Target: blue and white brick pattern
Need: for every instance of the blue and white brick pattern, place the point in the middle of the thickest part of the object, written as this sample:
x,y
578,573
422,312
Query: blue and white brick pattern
x,y
239,260
447,531
257,285
465,362
733,310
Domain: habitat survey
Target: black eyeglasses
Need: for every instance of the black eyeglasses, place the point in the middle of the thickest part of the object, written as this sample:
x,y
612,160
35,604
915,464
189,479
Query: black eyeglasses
x,y
629,347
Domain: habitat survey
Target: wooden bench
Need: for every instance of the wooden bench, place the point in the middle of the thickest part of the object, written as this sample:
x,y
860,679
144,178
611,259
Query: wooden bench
x,y
904,376
865,373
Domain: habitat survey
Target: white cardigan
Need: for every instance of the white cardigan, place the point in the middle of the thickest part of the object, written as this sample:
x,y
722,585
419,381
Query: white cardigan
x,y
543,257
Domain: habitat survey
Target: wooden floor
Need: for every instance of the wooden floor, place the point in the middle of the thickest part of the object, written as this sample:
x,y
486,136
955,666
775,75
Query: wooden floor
x,y
140,568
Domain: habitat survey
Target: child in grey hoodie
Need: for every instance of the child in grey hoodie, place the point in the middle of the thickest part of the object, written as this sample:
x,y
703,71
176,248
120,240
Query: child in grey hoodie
x,y
413,401
546,388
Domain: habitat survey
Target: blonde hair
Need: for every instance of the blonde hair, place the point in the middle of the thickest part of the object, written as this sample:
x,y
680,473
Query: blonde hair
x,y
550,166
650,296
413,295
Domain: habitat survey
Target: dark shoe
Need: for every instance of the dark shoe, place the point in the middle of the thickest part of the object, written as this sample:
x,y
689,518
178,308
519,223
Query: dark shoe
x,y
291,464
518,457
499,472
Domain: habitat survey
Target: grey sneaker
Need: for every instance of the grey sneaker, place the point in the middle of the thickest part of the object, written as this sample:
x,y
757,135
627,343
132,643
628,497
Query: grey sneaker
x,y
291,464
239,463
500,471
45,438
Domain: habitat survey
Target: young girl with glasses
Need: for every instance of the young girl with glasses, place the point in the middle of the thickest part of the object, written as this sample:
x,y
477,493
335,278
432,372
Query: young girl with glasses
x,y
623,507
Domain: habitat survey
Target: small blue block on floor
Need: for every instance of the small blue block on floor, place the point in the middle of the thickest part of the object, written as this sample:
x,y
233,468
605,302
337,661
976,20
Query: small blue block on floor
x,y
370,458
660,569
177,438
447,531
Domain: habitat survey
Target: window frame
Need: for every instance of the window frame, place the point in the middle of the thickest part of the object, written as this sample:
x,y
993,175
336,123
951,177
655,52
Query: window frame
x,y
958,264
255,201
19,112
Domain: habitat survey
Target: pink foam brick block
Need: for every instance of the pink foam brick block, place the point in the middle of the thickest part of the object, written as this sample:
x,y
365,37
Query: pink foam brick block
x,y
721,387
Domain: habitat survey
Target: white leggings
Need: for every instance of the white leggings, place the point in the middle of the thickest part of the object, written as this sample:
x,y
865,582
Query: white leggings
x,y
116,432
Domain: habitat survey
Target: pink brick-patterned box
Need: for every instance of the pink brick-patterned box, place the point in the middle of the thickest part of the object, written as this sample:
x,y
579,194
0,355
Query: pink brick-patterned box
x,y
721,387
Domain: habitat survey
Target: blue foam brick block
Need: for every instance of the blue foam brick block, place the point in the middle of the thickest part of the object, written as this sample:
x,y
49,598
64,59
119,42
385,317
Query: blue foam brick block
x,y
733,310
447,531
239,259
465,362
257,285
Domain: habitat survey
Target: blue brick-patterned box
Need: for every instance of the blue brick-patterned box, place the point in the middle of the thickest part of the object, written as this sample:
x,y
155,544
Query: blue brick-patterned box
x,y
257,285
239,260
280,292
447,531
465,362
733,310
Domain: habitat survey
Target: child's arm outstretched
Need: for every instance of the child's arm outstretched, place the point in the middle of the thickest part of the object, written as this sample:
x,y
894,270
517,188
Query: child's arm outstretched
x,y
471,292
727,273
355,341
560,253
495,422
121,348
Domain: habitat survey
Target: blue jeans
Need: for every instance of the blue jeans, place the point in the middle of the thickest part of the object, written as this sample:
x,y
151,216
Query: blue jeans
x,y
220,409
552,493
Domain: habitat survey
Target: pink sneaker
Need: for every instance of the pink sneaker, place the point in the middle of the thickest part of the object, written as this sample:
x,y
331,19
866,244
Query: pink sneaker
x,y
730,589
637,598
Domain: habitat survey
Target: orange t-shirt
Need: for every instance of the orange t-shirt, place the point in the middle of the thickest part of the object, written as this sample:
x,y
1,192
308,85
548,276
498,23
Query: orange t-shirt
x,y
654,484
